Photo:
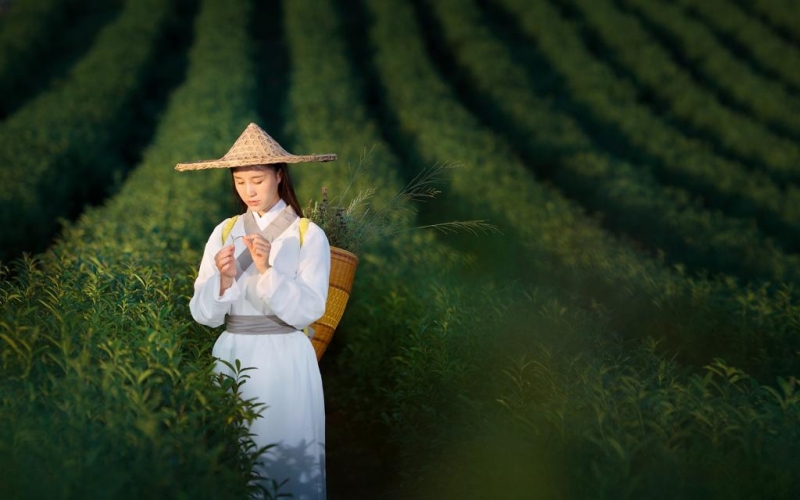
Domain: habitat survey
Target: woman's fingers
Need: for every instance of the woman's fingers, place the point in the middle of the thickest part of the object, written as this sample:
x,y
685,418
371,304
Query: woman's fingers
x,y
225,261
257,244
226,266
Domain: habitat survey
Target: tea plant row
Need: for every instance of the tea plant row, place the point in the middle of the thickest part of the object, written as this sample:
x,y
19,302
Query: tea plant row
x,y
25,33
749,35
629,44
106,382
761,98
551,405
100,357
631,199
63,145
424,358
398,279
406,265
779,13
560,244
612,105
327,112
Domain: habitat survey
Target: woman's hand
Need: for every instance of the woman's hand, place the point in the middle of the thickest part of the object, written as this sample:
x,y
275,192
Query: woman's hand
x,y
227,267
259,249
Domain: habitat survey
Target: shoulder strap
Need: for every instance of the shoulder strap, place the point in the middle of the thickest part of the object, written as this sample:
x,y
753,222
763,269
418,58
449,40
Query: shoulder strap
x,y
303,227
226,229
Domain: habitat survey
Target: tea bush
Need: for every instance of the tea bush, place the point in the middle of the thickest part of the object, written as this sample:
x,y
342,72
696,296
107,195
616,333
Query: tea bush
x,y
64,145
564,248
544,409
764,99
107,388
629,44
30,30
24,35
477,385
779,14
631,200
745,33
620,117
424,356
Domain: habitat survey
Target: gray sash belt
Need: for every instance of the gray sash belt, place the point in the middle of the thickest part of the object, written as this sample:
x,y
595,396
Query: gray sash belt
x,y
257,325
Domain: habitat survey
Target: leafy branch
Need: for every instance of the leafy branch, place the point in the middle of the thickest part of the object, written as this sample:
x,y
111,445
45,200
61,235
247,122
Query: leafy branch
x,y
350,224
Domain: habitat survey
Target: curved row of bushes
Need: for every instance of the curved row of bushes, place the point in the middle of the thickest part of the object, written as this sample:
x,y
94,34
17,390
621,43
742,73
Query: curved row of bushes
x,y
400,283
629,197
628,43
561,246
763,99
418,352
25,33
766,49
611,104
779,13
106,381
431,365
62,148
327,113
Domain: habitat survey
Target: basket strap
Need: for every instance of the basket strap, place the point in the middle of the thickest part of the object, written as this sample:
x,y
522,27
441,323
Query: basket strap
x,y
303,228
226,229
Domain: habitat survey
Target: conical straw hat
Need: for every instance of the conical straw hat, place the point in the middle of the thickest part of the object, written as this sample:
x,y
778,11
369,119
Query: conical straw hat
x,y
254,147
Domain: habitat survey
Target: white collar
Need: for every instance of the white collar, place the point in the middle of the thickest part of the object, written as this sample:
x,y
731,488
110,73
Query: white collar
x,y
264,220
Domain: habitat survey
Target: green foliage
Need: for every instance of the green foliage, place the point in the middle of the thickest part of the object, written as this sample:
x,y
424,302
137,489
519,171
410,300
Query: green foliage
x,y
99,397
420,358
779,13
351,224
764,99
64,145
557,243
630,198
547,383
107,388
489,390
30,30
624,120
748,33
631,46
24,35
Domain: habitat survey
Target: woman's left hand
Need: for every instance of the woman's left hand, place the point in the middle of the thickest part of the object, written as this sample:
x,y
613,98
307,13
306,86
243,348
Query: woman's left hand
x,y
259,249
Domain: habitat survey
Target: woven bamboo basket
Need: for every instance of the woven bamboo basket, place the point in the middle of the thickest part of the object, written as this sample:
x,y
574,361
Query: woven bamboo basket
x,y
343,271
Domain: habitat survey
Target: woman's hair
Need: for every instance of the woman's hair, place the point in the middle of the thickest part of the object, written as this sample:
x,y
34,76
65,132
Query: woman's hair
x,y
285,188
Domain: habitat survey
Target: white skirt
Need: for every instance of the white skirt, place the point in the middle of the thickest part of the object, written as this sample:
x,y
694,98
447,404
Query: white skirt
x,y
288,382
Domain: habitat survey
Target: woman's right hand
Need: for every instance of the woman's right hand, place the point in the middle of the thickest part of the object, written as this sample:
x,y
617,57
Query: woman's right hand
x,y
226,264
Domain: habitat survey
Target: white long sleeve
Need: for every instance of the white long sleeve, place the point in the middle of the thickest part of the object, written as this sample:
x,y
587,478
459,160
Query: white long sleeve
x,y
299,299
207,306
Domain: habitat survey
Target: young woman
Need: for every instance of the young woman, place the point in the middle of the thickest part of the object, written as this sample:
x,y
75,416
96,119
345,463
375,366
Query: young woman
x,y
266,285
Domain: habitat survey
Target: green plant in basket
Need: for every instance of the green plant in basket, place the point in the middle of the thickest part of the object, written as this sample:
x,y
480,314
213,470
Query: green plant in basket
x,y
349,224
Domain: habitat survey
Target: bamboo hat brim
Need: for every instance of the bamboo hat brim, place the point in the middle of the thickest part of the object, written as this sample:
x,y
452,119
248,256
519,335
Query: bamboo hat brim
x,y
254,147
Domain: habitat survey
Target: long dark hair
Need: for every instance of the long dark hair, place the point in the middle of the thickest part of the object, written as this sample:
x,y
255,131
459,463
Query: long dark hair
x,y
285,188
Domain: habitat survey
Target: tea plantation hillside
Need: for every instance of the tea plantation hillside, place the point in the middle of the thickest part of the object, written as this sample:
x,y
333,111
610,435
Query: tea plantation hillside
x,y
632,330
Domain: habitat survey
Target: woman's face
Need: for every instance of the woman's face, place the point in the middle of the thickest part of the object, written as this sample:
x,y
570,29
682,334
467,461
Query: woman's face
x,y
258,187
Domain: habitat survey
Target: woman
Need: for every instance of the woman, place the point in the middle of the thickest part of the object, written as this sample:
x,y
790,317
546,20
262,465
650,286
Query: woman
x,y
266,286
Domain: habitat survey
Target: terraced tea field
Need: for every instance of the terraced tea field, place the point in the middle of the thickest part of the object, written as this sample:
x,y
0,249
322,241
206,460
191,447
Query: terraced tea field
x,y
633,332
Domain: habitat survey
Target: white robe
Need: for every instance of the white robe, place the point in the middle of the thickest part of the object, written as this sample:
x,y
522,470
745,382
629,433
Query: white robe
x,y
286,378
